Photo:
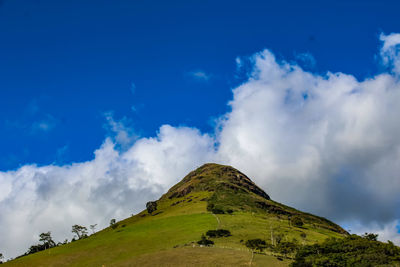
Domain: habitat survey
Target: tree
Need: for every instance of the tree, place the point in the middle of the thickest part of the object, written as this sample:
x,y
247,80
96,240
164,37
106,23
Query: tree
x,y
151,206
352,250
93,227
113,224
80,231
47,240
256,244
1,258
370,236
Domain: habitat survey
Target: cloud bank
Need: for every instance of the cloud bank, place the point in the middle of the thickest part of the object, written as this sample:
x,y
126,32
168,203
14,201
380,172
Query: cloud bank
x,y
325,144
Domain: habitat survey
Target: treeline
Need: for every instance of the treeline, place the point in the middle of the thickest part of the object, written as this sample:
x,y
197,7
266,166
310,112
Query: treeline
x,y
352,250
47,242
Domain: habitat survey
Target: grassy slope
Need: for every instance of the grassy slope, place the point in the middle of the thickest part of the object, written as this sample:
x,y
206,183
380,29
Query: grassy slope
x,y
168,237
151,239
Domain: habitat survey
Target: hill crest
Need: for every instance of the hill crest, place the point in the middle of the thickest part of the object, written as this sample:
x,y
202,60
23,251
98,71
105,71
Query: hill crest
x,y
210,176
232,191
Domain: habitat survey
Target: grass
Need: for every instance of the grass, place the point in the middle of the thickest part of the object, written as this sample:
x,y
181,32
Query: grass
x,y
168,236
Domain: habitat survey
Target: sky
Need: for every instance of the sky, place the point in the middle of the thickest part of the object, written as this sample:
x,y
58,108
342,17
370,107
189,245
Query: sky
x,y
104,105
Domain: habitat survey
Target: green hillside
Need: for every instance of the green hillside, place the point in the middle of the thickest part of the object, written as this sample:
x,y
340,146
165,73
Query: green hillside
x,y
209,198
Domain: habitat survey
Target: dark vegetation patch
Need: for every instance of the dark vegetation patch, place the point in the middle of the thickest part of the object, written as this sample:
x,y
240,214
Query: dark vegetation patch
x,y
296,221
256,244
205,242
350,251
151,206
218,233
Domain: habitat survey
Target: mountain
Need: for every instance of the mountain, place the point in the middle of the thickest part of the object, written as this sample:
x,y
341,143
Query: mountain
x,y
212,204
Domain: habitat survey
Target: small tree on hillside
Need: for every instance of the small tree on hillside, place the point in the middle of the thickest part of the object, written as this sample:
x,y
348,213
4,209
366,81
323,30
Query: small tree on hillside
x,y
80,231
113,224
47,240
256,244
1,258
151,206
370,236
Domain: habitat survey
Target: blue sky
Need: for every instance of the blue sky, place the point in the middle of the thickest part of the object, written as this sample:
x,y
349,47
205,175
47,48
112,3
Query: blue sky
x,y
105,105
63,64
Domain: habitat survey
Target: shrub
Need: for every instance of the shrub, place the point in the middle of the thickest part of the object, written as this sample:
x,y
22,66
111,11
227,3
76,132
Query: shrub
x,y
257,244
297,221
370,236
218,233
205,242
151,206
287,247
113,224
210,206
217,211
350,251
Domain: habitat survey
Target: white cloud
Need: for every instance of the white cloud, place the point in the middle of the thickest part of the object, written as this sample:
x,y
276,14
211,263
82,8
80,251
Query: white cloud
x,y
46,124
325,144
386,232
306,59
113,185
123,135
200,75
390,51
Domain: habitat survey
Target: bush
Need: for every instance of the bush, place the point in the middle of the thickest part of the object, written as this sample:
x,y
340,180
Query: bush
x,y
210,206
151,206
287,247
113,224
350,251
297,221
370,236
217,211
205,242
257,244
218,233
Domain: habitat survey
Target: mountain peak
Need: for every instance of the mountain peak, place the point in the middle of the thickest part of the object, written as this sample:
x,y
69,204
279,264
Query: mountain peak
x,y
215,177
229,190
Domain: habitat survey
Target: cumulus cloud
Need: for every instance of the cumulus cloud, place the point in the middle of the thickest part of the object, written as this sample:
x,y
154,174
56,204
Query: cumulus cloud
x,y
122,134
325,144
390,51
113,185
